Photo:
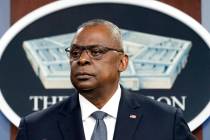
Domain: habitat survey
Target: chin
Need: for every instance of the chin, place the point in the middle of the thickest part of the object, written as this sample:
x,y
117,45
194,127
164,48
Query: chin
x,y
84,87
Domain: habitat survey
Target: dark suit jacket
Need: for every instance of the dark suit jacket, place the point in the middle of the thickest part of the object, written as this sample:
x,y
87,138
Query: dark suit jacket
x,y
153,121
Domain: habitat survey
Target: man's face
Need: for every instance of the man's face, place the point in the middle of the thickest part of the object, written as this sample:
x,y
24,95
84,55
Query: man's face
x,y
88,73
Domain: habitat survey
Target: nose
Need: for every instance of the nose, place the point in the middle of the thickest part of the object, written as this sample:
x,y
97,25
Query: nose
x,y
84,59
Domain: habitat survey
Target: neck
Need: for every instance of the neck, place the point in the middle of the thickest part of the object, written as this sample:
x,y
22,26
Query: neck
x,y
100,96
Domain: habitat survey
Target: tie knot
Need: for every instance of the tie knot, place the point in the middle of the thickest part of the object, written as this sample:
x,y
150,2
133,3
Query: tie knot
x,y
99,115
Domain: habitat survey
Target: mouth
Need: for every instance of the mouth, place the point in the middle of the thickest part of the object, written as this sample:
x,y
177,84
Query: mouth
x,y
84,76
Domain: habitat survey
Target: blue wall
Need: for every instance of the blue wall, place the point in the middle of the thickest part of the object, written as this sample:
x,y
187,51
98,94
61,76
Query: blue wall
x,y
4,25
205,6
4,128
4,15
206,130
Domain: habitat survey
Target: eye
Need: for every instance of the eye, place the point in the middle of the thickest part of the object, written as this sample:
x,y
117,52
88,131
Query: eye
x,y
75,52
97,51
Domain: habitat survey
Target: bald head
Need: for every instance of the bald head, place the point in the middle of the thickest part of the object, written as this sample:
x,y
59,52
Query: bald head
x,y
103,26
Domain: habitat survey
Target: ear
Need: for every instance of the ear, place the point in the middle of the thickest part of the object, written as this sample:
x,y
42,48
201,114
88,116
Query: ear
x,y
123,63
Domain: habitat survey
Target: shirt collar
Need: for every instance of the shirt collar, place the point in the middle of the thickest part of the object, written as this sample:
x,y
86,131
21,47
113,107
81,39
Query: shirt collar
x,y
111,107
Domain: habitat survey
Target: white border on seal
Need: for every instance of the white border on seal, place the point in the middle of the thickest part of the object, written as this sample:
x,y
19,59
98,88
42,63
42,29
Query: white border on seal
x,y
59,5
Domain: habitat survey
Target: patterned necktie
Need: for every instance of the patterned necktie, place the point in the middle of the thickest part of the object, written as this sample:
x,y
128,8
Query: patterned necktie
x,y
100,131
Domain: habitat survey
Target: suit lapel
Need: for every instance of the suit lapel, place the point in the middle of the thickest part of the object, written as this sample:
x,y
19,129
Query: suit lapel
x,y
128,118
70,120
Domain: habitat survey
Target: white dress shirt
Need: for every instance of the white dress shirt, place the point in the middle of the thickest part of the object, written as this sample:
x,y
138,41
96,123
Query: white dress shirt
x,y
111,108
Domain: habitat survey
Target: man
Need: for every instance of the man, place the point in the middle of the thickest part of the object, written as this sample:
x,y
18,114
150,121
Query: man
x,y
97,59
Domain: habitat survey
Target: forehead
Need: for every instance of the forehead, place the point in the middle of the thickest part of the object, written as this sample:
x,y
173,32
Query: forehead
x,y
92,35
